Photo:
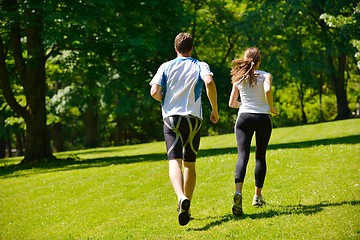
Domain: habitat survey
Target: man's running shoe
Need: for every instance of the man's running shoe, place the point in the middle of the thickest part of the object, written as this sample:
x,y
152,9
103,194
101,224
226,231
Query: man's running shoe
x,y
237,207
258,201
184,215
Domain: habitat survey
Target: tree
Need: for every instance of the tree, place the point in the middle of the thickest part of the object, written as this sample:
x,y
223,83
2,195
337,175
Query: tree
x,y
24,28
92,61
340,26
298,42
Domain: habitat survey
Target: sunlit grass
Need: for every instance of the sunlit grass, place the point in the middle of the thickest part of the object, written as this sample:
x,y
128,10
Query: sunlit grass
x,y
312,189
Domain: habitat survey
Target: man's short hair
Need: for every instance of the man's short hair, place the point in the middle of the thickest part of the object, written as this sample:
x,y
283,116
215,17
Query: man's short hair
x,y
183,43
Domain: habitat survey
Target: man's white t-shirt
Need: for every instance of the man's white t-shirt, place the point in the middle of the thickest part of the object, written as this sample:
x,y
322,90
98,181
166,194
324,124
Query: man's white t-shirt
x,y
181,80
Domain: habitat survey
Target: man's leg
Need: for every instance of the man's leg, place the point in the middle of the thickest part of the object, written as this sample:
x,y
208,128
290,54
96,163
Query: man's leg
x,y
176,177
179,134
191,149
183,183
189,178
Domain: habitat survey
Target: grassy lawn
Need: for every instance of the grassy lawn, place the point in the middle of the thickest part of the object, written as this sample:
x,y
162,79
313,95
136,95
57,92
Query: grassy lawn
x,y
312,190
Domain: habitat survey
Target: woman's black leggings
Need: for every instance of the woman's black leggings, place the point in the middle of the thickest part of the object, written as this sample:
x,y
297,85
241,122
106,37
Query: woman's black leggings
x,y
246,125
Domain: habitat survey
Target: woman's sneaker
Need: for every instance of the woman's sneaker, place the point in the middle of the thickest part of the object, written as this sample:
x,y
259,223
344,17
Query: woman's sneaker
x,y
258,201
237,206
183,211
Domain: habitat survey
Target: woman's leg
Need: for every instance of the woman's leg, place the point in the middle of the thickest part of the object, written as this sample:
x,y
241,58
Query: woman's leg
x,y
244,133
262,136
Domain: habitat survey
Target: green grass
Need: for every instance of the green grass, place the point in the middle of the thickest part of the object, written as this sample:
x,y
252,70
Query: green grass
x,y
312,189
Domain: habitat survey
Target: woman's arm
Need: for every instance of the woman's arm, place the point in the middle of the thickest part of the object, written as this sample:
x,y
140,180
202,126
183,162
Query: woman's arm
x,y
268,93
234,96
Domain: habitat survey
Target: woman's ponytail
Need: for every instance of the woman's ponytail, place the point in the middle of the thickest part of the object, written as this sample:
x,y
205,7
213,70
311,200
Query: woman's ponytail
x,y
245,69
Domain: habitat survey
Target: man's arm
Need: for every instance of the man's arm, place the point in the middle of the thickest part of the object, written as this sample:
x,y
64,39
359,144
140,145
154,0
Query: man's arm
x,y
212,96
155,92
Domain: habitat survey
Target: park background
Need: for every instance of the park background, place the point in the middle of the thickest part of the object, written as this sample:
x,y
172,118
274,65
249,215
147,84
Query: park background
x,y
75,105
75,74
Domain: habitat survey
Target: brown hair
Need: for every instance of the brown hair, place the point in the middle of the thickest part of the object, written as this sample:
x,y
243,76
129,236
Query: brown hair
x,y
183,43
244,69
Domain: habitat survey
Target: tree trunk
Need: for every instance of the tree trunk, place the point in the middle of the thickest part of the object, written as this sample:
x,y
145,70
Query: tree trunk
x,y
337,75
118,132
37,142
19,145
301,98
2,147
340,89
37,145
338,78
2,137
320,98
91,124
9,147
57,137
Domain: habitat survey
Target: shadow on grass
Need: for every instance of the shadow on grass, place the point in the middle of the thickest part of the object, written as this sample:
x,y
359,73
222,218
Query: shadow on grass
x,y
74,162
278,211
354,139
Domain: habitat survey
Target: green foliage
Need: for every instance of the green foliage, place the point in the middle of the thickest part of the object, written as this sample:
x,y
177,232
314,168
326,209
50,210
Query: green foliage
x,y
101,193
107,50
102,55
345,17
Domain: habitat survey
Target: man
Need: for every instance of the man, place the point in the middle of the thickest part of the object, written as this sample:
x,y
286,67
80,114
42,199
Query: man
x,y
178,85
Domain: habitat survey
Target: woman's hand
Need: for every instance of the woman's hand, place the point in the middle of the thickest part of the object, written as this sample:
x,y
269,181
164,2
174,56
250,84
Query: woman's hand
x,y
274,110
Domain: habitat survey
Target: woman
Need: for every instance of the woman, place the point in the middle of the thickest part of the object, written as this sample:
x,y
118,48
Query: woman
x,y
255,109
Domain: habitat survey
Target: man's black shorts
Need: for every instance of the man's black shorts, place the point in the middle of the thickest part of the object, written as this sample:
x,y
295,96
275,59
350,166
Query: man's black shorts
x,y
182,137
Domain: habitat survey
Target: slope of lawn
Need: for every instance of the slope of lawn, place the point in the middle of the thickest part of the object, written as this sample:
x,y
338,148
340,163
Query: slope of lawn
x,y
312,190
